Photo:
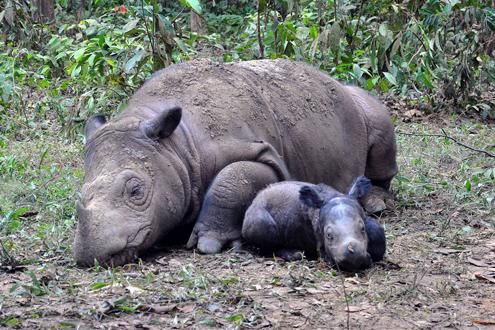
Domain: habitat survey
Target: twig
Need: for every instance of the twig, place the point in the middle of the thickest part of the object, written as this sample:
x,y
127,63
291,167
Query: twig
x,y
147,30
345,297
357,26
258,31
335,10
445,135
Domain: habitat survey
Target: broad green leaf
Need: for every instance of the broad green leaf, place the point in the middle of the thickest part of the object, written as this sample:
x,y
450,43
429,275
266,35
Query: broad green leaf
x,y
192,4
91,60
98,286
75,71
78,54
390,78
356,70
467,185
130,25
132,62
383,30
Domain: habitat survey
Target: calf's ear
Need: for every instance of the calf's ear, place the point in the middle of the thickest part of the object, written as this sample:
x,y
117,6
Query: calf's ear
x,y
360,188
164,124
376,239
93,124
310,197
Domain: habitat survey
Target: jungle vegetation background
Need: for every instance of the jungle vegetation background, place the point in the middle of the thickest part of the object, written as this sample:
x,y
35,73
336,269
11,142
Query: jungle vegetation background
x,y
62,61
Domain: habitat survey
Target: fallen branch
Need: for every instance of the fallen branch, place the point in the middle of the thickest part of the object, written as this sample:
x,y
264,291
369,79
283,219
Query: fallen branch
x,y
445,135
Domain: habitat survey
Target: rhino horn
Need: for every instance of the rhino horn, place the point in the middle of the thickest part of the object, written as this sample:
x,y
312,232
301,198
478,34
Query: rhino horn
x,y
164,123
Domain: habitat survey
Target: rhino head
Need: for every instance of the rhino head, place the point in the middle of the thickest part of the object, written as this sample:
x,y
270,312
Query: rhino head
x,y
136,187
346,237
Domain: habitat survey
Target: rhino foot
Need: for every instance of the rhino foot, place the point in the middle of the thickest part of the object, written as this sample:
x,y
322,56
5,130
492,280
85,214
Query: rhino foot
x,y
208,245
378,200
290,254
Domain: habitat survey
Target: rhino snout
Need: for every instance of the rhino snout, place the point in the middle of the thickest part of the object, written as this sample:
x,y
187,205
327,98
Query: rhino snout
x,y
353,258
99,238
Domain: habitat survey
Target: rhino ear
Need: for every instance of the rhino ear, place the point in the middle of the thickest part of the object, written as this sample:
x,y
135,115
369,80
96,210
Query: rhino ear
x,y
310,197
360,188
377,244
93,124
164,123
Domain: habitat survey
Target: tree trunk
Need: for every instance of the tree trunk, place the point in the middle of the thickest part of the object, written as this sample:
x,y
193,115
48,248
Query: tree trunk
x,y
198,23
44,11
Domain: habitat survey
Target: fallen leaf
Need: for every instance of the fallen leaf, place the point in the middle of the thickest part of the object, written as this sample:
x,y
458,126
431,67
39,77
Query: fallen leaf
x,y
413,113
489,276
484,322
105,307
357,308
446,251
187,308
159,309
315,291
134,290
352,280
476,262
214,308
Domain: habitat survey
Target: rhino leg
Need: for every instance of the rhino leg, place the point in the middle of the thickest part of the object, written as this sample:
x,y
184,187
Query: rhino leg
x,y
260,229
290,254
232,190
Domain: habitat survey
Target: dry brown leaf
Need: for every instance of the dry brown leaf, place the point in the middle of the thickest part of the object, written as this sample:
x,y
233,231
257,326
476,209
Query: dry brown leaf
x,y
159,309
446,251
413,113
476,262
315,291
187,308
358,308
484,322
134,290
489,276
352,280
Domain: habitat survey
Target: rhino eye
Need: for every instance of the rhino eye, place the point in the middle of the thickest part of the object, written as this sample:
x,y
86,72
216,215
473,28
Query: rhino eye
x,y
134,189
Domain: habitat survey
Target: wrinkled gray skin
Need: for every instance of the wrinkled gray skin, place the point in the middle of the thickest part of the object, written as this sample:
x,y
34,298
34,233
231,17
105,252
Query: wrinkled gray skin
x,y
198,140
291,218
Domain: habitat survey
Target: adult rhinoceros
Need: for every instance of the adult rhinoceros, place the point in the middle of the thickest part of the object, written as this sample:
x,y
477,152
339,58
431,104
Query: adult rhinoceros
x,y
198,140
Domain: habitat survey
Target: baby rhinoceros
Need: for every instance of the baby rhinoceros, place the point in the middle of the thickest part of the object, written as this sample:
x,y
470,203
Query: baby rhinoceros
x,y
292,217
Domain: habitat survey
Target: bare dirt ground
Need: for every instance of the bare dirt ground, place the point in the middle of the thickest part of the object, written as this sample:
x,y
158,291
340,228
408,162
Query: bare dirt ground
x,y
439,270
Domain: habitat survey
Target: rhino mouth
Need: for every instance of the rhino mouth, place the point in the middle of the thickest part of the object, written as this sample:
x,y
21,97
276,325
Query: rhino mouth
x,y
124,257
135,243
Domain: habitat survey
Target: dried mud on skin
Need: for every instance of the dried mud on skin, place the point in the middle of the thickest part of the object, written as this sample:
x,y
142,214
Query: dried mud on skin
x,y
437,274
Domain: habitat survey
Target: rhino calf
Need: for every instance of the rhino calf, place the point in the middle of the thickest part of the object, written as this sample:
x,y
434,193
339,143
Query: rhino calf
x,y
293,217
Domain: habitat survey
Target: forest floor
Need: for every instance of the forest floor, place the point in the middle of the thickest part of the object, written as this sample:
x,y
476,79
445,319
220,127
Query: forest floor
x,y
439,270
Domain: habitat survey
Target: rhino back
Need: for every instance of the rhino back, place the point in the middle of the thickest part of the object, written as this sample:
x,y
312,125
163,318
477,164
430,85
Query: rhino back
x,y
308,117
277,219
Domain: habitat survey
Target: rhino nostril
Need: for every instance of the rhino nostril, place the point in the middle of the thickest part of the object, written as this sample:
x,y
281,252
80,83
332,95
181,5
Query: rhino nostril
x,y
350,248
